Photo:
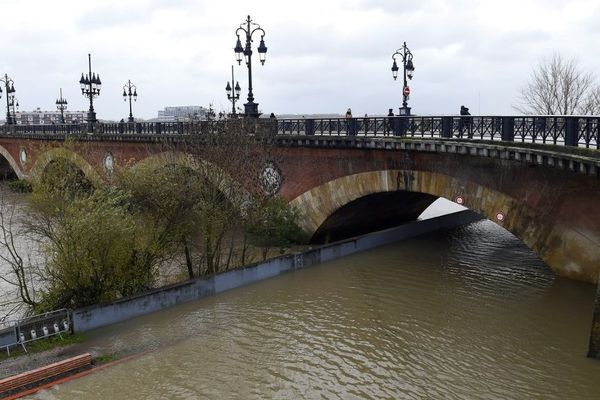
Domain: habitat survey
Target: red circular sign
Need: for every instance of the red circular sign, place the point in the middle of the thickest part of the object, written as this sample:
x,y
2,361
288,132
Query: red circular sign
x,y
460,200
406,91
500,217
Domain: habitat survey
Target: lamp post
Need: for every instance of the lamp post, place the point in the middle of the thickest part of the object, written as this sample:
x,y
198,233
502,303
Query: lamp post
x,y
129,90
249,28
14,105
9,87
90,87
408,69
233,92
61,105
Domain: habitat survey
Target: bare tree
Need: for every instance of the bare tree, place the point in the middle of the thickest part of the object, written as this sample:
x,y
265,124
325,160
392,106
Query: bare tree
x,y
559,86
200,209
591,106
229,156
19,271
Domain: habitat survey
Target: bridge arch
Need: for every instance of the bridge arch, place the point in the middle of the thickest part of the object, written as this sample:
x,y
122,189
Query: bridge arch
x,y
566,251
217,176
12,163
44,159
165,158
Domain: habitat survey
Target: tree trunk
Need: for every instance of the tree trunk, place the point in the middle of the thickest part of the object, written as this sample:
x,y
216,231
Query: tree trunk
x,y
188,258
230,254
244,246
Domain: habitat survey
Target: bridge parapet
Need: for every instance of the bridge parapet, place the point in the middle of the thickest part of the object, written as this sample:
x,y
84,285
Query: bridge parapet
x,y
132,130
569,131
577,131
106,128
582,162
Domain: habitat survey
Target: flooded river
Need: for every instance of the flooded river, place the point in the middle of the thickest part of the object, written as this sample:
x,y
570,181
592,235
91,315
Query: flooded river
x,y
464,314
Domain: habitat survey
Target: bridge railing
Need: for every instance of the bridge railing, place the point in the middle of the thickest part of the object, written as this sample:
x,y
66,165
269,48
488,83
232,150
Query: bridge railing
x,y
49,129
112,128
149,128
555,130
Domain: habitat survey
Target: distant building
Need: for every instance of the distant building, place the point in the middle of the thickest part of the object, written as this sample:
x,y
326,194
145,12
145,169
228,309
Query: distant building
x,y
182,113
39,117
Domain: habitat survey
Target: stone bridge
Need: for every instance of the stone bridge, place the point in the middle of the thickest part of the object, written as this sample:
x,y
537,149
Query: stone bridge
x,y
346,177
345,183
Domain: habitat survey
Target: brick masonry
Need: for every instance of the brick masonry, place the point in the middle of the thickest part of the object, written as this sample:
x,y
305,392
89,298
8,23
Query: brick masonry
x,y
546,198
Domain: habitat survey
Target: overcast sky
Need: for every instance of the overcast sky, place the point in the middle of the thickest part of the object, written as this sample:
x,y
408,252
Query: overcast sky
x,y
323,56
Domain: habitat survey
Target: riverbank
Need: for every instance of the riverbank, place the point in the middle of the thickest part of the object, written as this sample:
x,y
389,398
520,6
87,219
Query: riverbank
x,y
461,313
121,310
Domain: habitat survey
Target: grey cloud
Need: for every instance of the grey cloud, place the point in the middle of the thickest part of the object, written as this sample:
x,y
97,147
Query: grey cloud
x,y
180,52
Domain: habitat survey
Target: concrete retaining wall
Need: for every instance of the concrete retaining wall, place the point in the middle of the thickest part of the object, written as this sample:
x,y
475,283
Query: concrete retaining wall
x,y
105,314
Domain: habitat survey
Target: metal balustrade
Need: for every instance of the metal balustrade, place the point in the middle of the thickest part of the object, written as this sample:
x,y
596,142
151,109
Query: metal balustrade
x,y
579,131
553,130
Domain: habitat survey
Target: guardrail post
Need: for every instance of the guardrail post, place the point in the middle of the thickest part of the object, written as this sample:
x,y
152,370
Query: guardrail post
x,y
508,129
404,121
571,131
397,126
352,127
594,347
446,127
539,124
309,127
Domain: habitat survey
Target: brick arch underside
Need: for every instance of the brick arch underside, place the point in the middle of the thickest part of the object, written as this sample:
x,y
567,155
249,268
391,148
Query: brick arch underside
x,y
8,165
44,159
236,194
370,213
566,251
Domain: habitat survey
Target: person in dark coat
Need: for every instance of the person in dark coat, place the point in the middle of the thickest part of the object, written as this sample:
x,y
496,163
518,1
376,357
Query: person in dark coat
x,y
465,121
389,121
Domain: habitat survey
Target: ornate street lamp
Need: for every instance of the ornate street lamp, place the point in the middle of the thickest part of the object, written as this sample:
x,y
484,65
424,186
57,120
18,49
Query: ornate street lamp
x,y
130,90
15,107
409,70
250,108
9,87
90,87
233,92
61,105
14,104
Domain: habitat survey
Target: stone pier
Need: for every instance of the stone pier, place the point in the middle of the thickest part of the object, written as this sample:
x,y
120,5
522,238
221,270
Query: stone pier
x,y
594,349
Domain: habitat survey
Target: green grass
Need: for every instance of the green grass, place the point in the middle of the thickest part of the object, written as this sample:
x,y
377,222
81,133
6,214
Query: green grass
x,y
43,345
104,358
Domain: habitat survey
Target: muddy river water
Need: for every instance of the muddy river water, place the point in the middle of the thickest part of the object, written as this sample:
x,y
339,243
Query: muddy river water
x,y
465,314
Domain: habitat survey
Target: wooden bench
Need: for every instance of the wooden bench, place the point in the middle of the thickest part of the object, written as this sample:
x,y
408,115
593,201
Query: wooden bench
x,y
38,375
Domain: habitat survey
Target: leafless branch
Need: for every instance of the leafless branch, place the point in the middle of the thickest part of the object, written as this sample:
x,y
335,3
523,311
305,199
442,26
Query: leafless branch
x,y
558,86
